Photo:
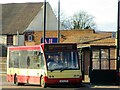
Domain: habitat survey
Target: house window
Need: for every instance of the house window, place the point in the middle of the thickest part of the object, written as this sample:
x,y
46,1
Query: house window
x,y
10,40
30,37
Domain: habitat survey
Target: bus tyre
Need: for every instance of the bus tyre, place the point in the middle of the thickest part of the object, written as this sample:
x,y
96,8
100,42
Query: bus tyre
x,y
16,81
43,84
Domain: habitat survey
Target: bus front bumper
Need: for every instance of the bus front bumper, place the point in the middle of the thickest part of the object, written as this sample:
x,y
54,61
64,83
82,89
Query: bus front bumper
x,y
53,81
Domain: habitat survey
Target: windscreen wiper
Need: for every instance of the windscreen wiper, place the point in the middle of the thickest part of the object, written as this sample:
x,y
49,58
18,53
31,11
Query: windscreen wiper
x,y
62,69
54,69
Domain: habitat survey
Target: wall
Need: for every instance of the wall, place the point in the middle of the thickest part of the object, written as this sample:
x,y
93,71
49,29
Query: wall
x,y
86,57
37,23
66,35
3,39
19,38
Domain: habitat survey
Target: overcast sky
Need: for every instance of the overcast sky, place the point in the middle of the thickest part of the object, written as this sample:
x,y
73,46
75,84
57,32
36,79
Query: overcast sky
x,y
104,11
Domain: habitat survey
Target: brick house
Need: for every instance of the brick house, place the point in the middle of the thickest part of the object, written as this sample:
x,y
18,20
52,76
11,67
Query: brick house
x,y
82,37
20,17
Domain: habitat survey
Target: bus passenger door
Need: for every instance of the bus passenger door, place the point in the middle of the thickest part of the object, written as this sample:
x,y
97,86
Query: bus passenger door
x,y
42,64
33,67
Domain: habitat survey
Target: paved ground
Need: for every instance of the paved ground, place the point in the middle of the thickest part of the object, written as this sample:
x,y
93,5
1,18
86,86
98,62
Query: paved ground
x,y
10,86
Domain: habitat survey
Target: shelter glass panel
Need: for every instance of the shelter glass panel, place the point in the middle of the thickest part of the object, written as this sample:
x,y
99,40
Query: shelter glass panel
x,y
104,59
104,64
95,59
113,61
113,64
95,54
96,64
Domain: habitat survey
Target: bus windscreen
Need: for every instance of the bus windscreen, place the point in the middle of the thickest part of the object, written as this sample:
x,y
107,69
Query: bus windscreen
x,y
62,60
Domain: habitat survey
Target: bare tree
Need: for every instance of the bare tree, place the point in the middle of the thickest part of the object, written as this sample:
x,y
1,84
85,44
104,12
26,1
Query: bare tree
x,y
63,18
80,20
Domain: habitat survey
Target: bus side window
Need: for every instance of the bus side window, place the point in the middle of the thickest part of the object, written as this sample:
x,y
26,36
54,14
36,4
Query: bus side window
x,y
23,59
28,61
34,57
16,59
39,58
11,59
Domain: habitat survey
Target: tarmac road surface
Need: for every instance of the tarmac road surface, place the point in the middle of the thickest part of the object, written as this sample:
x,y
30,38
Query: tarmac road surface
x,y
4,85
10,86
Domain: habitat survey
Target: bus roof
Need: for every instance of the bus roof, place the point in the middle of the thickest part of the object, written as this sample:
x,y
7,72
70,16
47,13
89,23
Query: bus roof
x,y
36,47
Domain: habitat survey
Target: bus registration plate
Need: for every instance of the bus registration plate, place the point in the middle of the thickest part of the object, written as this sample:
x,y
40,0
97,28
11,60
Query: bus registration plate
x,y
63,81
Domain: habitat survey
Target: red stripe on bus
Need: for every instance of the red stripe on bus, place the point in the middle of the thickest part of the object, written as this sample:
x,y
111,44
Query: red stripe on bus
x,y
10,78
49,81
24,48
24,79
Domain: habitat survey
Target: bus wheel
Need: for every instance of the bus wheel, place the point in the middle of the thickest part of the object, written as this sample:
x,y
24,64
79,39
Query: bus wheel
x,y
43,84
16,81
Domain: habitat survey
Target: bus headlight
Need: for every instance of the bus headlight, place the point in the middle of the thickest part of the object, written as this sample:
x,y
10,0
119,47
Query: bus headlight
x,y
51,76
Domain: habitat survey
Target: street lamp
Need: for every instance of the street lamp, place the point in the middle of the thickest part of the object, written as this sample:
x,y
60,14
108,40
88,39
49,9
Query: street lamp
x,y
44,21
118,42
58,21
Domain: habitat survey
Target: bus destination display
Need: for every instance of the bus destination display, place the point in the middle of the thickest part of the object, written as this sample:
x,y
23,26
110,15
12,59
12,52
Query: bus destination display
x,y
60,47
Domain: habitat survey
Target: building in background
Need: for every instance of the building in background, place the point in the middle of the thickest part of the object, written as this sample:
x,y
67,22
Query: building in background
x,y
20,17
81,37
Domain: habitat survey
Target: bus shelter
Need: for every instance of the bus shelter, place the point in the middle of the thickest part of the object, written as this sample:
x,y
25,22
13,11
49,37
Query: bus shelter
x,y
99,64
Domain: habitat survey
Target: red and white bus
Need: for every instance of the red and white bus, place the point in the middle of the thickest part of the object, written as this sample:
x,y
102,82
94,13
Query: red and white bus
x,y
44,64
